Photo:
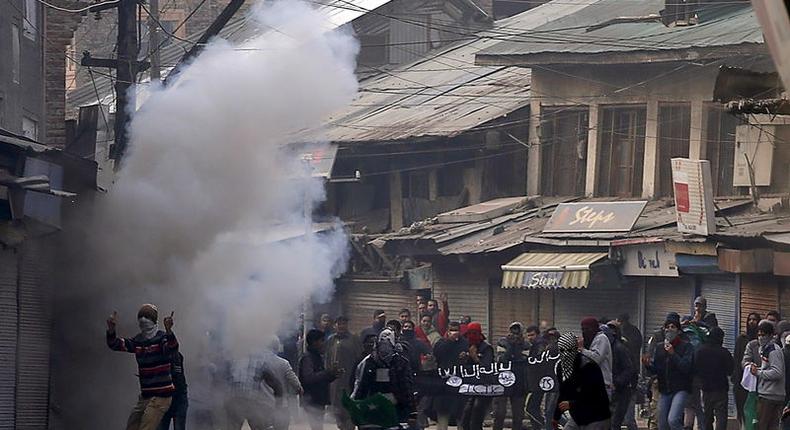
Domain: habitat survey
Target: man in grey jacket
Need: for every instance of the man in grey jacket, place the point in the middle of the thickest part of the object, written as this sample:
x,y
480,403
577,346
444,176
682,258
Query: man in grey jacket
x,y
281,369
595,345
770,378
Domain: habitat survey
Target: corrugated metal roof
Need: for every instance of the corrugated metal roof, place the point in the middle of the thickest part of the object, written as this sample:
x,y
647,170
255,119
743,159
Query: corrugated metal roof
x,y
445,93
596,29
238,30
525,226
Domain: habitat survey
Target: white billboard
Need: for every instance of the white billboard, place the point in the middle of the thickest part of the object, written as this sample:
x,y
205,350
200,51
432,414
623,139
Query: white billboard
x,y
693,189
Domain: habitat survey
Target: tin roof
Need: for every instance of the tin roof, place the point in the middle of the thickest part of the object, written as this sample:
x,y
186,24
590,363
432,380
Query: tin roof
x,y
525,224
445,93
610,27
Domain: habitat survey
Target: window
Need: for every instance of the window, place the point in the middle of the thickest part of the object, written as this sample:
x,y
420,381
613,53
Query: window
x,y
720,149
563,147
415,185
674,127
16,48
621,151
373,50
451,180
30,23
30,128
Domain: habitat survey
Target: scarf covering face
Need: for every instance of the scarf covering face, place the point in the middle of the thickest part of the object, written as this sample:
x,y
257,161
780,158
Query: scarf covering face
x,y
568,346
384,350
147,327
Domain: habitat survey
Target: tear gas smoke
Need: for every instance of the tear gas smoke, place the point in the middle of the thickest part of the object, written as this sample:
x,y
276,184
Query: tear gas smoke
x,y
208,182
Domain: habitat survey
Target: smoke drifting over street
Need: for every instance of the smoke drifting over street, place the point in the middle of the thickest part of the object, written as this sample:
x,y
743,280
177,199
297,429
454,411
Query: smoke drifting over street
x,y
206,190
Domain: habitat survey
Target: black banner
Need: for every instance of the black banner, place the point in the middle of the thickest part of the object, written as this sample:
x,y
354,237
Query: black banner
x,y
499,379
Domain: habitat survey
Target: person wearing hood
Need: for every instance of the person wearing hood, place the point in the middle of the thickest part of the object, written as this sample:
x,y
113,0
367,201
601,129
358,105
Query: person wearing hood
x,y
714,366
624,377
770,373
316,378
512,348
426,332
672,363
481,353
448,352
583,393
386,371
596,345
342,352
417,350
154,350
740,348
379,319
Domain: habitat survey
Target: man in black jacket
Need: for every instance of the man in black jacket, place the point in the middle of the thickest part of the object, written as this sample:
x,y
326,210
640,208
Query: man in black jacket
x,y
315,379
511,349
481,353
448,352
714,365
624,376
582,389
388,372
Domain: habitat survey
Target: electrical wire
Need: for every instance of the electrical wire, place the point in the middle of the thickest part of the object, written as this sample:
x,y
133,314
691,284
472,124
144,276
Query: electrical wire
x,y
81,10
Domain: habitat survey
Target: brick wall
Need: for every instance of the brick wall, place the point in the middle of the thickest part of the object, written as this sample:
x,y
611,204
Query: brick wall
x,y
58,31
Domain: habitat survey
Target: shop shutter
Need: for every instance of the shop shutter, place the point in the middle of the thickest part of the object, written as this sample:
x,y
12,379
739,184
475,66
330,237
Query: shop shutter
x,y
508,305
570,306
8,335
359,300
32,394
784,296
467,294
759,293
665,295
721,292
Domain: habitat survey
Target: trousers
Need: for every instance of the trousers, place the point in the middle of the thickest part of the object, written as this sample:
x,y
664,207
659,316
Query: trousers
x,y
714,404
148,413
500,410
671,410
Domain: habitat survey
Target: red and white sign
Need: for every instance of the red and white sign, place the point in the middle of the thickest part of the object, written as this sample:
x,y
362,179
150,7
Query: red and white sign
x,y
693,196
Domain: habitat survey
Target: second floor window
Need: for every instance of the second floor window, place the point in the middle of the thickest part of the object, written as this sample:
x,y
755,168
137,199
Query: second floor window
x,y
621,151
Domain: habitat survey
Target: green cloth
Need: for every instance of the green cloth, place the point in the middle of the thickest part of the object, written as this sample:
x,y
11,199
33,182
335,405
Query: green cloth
x,y
750,412
375,410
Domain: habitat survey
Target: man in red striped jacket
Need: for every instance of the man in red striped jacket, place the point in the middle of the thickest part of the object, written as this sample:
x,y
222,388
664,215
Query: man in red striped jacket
x,y
153,349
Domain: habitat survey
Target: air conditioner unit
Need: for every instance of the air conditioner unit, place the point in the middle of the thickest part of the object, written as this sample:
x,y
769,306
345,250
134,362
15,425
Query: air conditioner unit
x,y
754,144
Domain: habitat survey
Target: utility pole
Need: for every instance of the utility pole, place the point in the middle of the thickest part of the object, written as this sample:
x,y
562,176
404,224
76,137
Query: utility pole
x,y
153,39
127,67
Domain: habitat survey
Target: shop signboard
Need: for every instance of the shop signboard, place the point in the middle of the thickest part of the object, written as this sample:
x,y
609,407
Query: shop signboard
x,y
594,217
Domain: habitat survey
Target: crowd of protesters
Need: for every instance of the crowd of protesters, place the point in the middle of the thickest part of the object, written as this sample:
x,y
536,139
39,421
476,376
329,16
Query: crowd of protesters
x,y
598,374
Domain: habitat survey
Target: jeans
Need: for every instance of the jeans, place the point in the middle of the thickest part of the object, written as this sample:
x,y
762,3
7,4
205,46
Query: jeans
x,y
500,410
533,410
671,410
550,398
630,414
148,413
621,400
714,404
177,413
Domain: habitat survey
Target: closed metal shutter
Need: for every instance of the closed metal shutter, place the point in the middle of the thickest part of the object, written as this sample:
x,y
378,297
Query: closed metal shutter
x,y
32,393
8,334
784,296
721,292
360,299
508,305
467,295
759,293
570,306
663,296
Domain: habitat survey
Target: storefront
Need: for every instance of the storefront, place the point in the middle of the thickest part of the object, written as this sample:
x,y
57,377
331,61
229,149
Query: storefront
x,y
361,297
583,284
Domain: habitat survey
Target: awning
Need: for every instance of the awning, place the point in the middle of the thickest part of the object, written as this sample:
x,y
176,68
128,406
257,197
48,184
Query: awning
x,y
550,270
